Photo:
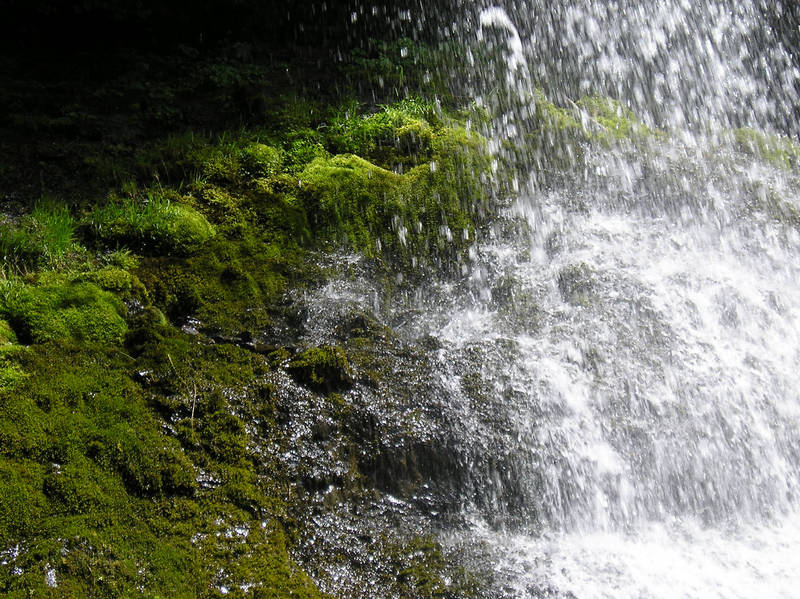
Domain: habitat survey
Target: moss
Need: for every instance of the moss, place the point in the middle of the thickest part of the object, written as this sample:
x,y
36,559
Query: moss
x,y
225,436
302,147
118,281
78,311
227,210
80,487
764,200
260,160
256,557
615,120
11,375
230,293
554,118
155,468
324,368
156,225
423,571
776,149
425,215
94,487
122,259
7,335
399,135
221,164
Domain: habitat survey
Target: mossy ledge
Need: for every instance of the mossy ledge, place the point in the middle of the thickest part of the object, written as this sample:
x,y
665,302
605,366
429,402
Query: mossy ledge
x,y
147,345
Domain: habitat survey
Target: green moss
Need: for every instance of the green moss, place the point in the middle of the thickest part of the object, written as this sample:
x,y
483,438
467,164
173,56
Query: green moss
x,y
616,121
80,487
256,557
220,164
302,147
7,335
776,149
149,467
225,436
11,375
79,311
324,368
93,486
260,160
21,502
425,215
554,118
423,571
763,200
122,259
556,138
230,295
118,281
153,225
397,135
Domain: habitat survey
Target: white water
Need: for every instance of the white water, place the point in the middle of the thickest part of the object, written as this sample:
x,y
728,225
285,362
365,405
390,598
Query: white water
x,y
634,431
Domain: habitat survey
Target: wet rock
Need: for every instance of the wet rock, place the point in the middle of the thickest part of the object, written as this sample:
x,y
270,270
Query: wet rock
x,y
576,283
323,368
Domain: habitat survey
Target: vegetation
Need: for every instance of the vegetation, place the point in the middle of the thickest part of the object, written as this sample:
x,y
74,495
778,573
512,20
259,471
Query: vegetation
x,y
166,428
134,454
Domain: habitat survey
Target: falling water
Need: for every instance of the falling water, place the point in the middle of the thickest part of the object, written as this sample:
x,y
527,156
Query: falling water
x,y
618,367
625,369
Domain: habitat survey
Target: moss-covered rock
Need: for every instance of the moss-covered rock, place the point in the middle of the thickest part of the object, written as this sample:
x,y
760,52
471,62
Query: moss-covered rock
x,y
11,375
260,160
418,216
611,121
778,150
162,466
78,311
423,571
323,368
98,493
231,289
576,283
119,281
397,136
7,335
156,225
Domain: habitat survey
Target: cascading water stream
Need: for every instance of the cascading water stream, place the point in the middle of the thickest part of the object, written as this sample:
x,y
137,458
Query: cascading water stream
x,y
610,391
624,371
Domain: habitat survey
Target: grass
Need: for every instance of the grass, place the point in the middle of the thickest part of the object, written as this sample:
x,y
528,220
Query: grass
x,y
42,238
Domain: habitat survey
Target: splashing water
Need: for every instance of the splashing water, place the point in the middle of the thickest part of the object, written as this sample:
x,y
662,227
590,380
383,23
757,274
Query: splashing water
x,y
625,370
675,63
617,372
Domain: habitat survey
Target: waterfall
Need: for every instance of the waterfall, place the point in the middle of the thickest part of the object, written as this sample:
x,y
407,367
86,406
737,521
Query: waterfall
x,y
624,370
610,407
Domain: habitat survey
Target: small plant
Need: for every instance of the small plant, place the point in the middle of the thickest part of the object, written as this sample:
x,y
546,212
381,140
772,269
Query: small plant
x,y
54,227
